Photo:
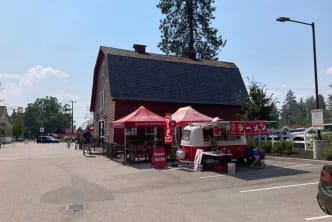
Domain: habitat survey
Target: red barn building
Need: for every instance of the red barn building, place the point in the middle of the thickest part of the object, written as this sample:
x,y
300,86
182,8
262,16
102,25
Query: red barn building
x,y
123,80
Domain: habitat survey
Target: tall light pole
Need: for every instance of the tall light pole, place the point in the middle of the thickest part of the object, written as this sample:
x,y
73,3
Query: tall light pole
x,y
286,19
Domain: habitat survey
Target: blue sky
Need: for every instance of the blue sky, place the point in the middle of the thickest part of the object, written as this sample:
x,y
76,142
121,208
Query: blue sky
x,y
49,48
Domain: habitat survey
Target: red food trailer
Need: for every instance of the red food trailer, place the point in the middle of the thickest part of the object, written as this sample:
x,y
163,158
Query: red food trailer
x,y
229,137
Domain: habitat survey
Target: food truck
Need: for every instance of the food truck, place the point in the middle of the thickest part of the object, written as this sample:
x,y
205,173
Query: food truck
x,y
229,137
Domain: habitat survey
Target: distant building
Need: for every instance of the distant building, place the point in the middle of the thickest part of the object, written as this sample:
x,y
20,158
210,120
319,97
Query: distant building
x,y
5,126
123,80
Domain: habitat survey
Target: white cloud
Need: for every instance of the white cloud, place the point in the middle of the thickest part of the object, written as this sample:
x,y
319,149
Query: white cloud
x,y
38,72
37,82
329,71
7,76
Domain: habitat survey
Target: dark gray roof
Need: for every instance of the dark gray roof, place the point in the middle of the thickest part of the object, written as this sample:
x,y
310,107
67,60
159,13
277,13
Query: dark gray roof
x,y
154,77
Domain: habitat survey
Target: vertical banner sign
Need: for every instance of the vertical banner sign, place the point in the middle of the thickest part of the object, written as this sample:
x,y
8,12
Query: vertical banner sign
x,y
168,129
158,158
317,119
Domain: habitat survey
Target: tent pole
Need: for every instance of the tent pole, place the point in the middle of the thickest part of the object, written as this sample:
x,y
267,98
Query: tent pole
x,y
155,136
175,136
125,147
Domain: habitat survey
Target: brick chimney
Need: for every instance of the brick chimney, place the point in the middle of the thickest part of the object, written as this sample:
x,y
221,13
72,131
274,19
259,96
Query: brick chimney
x,y
139,48
191,54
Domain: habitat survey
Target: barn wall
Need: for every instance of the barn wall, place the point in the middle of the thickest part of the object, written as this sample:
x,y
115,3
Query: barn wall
x,y
123,108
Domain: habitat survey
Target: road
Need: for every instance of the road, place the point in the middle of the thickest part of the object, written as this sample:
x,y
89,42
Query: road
x,y
48,182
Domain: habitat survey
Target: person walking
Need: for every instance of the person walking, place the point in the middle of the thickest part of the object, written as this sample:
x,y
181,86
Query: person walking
x,y
68,142
87,141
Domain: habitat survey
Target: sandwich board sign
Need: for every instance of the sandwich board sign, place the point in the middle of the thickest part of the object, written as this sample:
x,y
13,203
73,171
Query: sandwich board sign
x,y
158,157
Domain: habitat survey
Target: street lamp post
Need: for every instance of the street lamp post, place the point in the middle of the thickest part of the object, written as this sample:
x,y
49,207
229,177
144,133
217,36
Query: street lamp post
x,y
286,19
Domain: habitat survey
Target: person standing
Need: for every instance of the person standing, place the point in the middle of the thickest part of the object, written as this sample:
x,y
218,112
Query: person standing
x,y
68,141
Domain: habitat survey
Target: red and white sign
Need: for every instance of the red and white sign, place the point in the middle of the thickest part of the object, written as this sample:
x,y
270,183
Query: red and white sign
x,y
317,119
249,128
158,158
168,129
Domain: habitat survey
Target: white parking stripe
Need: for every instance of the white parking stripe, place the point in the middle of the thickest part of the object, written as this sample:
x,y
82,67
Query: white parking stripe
x,y
279,187
221,175
318,218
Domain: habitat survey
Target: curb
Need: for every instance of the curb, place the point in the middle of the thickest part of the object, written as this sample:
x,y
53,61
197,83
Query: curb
x,y
300,160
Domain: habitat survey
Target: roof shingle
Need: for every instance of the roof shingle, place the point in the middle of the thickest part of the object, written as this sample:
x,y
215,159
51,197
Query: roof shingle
x,y
161,78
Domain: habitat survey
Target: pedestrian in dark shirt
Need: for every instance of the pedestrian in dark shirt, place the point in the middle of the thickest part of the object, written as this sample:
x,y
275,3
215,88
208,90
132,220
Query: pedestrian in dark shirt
x,y
87,136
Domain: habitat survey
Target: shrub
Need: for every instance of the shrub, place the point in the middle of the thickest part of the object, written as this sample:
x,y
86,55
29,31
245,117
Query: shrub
x,y
266,147
251,143
325,136
283,147
327,152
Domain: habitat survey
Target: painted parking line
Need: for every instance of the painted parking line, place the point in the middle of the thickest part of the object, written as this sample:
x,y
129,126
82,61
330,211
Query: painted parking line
x,y
213,176
318,218
252,172
279,187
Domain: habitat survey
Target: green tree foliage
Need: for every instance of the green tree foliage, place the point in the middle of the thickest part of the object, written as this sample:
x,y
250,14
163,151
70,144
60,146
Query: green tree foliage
x,y
259,106
17,122
290,111
47,113
187,26
328,112
298,114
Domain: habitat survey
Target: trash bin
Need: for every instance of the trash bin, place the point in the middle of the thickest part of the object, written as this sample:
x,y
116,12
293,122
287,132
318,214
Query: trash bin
x,y
317,149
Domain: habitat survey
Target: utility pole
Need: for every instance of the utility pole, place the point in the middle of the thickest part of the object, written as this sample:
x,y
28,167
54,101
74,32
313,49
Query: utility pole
x,y
72,116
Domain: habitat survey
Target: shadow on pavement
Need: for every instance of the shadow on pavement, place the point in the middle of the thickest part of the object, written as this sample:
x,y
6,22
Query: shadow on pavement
x,y
245,173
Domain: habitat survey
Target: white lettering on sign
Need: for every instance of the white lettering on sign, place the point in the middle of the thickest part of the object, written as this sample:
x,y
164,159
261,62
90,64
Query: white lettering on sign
x,y
168,129
158,154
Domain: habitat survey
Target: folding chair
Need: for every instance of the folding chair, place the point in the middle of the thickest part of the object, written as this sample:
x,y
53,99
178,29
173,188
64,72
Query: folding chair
x,y
257,158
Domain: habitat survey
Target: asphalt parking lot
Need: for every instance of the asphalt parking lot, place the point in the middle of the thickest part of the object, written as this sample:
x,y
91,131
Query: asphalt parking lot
x,y
47,182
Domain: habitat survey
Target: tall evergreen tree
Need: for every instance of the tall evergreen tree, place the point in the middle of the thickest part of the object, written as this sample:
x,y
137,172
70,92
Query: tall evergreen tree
x,y
328,112
187,26
290,110
259,106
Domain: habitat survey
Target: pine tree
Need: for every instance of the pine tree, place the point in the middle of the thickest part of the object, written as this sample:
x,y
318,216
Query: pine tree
x,y
290,110
187,27
259,106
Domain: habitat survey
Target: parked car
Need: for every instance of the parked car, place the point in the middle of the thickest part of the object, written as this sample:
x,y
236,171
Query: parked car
x,y
324,196
47,139
301,136
19,139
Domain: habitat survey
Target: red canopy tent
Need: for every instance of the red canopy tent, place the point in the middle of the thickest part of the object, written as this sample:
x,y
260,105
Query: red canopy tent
x,y
185,115
140,118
